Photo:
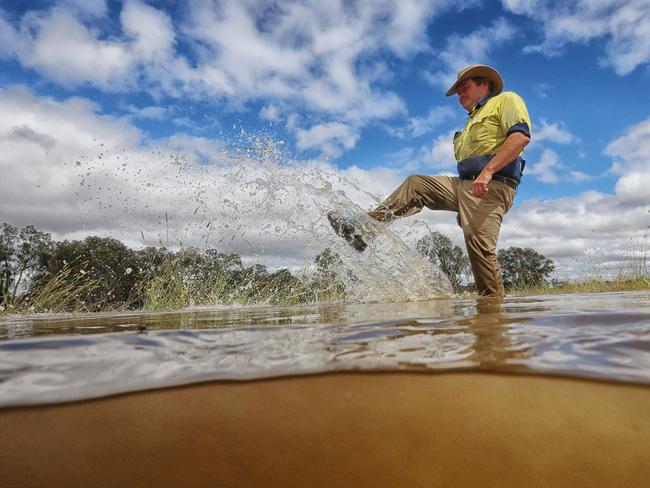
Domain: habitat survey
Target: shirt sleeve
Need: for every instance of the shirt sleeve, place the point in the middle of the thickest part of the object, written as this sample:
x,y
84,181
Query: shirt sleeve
x,y
521,127
514,115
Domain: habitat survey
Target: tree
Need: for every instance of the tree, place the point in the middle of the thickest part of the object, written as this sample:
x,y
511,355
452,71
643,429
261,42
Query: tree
x,y
451,260
22,256
112,267
326,283
524,268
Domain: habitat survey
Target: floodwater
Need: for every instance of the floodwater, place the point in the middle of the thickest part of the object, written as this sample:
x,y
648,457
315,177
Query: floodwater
x,y
57,358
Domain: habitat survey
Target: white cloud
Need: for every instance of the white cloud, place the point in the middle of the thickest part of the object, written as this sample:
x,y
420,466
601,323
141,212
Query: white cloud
x,y
541,90
549,169
624,24
331,138
580,176
441,153
630,153
270,112
318,58
419,126
546,169
553,132
151,30
153,112
59,46
573,230
474,48
204,148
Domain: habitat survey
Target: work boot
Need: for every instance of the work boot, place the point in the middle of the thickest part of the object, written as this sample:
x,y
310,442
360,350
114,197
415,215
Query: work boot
x,y
347,230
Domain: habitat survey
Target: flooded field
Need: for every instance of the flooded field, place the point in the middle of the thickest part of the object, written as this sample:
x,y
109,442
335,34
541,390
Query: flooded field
x,y
49,359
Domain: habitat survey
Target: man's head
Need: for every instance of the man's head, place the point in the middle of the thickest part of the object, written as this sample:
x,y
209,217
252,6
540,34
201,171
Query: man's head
x,y
475,80
472,90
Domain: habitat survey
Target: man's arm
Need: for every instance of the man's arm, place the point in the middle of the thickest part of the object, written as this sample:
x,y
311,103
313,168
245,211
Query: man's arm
x,y
509,150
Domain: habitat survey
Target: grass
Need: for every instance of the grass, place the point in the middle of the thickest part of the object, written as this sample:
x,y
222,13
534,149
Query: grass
x,y
174,288
64,292
593,285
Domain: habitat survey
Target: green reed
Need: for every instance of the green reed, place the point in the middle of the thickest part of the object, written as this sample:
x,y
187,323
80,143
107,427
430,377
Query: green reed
x,y
67,291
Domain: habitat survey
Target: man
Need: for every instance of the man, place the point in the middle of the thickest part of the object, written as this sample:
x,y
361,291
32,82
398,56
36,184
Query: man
x,y
488,151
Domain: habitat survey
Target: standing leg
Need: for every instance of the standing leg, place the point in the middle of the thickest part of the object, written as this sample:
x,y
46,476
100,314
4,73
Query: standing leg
x,y
416,192
481,220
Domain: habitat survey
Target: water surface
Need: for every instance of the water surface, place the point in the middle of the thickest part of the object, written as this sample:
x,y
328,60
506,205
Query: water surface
x,y
54,358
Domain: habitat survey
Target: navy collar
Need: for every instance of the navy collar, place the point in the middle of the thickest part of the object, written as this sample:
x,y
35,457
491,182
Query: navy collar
x,y
480,103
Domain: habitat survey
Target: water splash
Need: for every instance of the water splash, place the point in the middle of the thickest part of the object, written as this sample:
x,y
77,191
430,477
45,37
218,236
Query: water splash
x,y
254,199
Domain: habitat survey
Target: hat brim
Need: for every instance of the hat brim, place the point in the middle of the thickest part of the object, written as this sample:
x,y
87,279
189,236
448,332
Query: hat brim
x,y
485,71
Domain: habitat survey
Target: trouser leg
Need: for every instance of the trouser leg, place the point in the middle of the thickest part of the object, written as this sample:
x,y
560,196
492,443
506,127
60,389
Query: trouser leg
x,y
416,192
481,220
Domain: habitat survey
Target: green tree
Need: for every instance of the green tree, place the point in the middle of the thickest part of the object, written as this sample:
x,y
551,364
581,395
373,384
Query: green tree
x,y
113,267
524,267
451,260
326,283
23,255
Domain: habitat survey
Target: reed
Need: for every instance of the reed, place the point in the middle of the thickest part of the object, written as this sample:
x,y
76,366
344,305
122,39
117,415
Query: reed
x,y
67,291
176,286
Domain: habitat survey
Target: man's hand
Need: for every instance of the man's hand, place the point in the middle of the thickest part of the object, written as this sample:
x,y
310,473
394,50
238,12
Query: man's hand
x,y
509,150
480,184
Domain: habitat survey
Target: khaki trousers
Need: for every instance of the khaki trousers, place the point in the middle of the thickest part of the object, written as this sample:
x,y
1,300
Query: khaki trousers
x,y
480,218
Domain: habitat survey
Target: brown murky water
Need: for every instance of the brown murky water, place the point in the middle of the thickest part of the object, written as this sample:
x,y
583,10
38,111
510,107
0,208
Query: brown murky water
x,y
46,359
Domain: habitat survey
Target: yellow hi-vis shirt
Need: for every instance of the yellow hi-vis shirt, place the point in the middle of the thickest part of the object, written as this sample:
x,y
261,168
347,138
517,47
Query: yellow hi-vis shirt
x,y
489,125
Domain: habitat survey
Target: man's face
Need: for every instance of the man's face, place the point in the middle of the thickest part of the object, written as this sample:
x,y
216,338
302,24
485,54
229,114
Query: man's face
x,y
469,93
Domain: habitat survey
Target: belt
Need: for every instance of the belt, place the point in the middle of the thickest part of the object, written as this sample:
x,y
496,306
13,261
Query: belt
x,y
511,182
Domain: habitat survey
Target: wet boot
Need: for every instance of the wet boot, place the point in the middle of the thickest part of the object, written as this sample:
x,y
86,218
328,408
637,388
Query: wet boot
x,y
347,230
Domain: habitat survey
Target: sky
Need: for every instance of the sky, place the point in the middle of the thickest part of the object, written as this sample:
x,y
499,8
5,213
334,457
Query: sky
x,y
124,118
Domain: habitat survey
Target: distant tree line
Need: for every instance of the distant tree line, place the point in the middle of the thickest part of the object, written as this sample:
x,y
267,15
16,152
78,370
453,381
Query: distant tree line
x,y
100,273
522,268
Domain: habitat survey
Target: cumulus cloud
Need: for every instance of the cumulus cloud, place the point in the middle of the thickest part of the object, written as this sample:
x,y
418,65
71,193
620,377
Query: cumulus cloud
x,y
331,138
270,112
314,57
59,46
474,48
419,126
593,228
630,154
150,29
623,24
552,132
152,112
546,169
441,154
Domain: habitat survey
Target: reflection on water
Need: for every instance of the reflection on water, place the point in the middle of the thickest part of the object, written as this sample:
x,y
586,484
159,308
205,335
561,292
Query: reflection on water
x,y
57,358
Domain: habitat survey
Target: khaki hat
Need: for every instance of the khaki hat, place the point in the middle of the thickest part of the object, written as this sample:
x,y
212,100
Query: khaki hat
x,y
478,70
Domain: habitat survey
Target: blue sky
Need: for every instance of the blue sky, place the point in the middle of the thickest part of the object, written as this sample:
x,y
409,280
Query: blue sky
x,y
357,87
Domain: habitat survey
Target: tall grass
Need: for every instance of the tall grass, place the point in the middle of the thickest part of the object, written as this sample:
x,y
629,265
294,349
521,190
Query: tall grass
x,y
67,291
177,287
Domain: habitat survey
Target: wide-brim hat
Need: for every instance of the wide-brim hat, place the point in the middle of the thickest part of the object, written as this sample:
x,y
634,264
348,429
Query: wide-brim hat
x,y
478,70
